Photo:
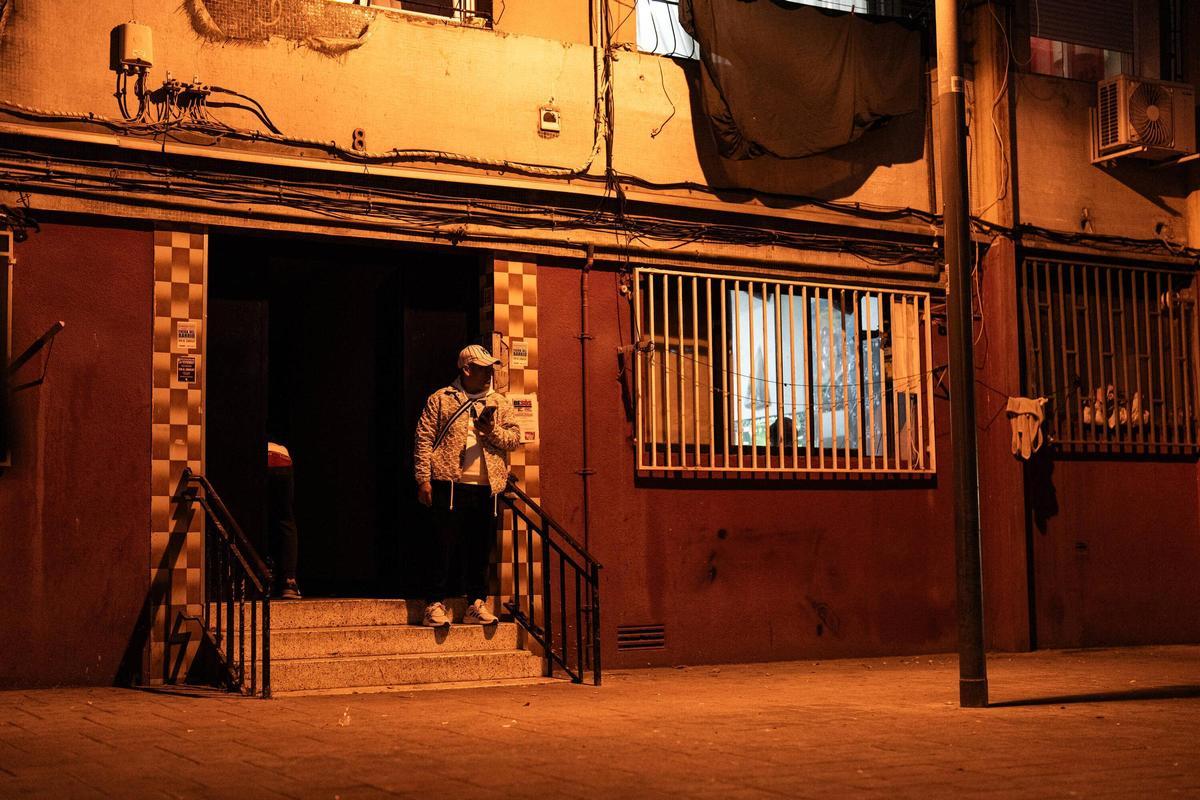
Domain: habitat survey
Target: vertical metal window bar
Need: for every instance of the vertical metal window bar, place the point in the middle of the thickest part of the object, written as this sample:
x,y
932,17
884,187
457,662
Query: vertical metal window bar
x,y
881,390
708,325
869,382
680,395
694,366
666,301
725,402
780,425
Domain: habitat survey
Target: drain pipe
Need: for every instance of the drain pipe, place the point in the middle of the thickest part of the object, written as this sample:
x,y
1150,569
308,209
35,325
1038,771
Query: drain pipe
x,y
585,472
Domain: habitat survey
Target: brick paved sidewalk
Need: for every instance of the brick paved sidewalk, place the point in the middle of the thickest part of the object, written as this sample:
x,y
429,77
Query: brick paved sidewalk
x,y
1113,723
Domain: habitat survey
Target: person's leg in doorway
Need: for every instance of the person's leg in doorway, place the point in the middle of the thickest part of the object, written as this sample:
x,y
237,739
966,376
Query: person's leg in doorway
x,y
282,522
440,546
475,549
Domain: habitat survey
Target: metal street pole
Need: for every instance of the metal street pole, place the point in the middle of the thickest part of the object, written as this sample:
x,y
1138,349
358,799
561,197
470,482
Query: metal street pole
x,y
972,663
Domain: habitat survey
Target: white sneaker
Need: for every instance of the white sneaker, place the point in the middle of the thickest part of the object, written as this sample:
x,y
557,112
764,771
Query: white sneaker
x,y
436,616
479,614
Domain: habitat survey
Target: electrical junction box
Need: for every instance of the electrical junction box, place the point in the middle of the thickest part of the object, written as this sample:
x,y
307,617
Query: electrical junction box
x,y
131,48
549,121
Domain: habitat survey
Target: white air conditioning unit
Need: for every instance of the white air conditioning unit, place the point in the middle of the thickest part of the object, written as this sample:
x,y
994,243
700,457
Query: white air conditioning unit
x,y
1144,118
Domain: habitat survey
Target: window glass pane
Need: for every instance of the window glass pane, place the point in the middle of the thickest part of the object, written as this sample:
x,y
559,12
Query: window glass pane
x,y
836,400
757,372
861,6
1084,63
659,31
1045,56
833,421
1116,63
1065,60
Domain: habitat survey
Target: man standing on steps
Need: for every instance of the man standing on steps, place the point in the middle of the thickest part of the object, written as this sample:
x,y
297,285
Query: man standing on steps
x,y
463,439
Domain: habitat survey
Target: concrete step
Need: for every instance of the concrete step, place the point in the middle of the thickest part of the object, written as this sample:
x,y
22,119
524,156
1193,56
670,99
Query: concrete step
x,y
351,611
346,672
324,613
425,687
364,640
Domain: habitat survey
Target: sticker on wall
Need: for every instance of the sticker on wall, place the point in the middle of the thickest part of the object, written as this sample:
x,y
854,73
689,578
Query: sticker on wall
x,y
525,412
518,355
187,370
187,335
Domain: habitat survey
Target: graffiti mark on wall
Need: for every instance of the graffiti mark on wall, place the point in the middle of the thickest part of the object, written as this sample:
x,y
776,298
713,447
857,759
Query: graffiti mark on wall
x,y
329,28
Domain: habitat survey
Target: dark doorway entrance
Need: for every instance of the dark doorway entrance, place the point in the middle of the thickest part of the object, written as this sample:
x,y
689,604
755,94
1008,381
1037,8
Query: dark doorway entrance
x,y
330,347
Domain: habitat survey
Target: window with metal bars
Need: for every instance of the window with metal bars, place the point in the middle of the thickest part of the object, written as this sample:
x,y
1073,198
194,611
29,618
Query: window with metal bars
x,y
739,376
475,11
1114,350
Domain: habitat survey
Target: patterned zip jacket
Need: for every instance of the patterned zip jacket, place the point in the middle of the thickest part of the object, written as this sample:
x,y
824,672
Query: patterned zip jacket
x,y
444,463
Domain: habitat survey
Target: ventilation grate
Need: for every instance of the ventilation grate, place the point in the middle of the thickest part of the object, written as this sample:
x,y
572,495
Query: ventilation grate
x,y
641,637
1109,127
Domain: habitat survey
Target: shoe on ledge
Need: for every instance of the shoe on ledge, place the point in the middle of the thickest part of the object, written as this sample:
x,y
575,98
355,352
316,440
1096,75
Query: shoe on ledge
x,y
291,591
436,616
479,614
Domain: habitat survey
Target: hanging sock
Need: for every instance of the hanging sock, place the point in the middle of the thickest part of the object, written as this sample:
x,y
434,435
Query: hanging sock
x,y
1025,415
1140,415
1111,397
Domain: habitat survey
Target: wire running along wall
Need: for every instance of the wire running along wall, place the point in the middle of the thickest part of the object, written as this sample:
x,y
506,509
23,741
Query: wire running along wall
x,y
1114,349
737,376
6,261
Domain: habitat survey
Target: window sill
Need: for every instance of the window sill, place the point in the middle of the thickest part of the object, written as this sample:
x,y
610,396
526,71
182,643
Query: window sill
x,y
462,19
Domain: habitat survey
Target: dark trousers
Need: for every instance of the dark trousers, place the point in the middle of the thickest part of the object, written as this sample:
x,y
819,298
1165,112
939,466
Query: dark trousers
x,y
460,542
281,521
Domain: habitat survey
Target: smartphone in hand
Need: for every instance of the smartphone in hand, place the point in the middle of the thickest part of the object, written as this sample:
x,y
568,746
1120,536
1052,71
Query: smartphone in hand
x,y
486,416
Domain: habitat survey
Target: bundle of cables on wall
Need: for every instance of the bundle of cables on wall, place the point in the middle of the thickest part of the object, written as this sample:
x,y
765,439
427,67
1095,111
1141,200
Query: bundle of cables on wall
x,y
178,102
177,105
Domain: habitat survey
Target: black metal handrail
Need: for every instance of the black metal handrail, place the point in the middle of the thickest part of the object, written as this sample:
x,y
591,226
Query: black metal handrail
x,y
237,581
577,651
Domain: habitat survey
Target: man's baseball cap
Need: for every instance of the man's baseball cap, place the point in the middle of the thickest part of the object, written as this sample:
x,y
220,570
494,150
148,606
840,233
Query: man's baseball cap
x,y
476,354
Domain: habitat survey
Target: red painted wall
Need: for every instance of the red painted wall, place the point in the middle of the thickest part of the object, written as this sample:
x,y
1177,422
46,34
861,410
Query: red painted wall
x,y
1001,475
1118,563
75,505
743,571
737,571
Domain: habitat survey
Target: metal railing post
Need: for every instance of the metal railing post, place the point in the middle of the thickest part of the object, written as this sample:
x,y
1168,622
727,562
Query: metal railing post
x,y
587,616
230,564
266,647
547,610
595,569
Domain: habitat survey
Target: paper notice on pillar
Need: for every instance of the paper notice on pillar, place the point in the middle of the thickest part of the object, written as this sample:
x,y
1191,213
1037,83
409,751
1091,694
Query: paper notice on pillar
x,y
186,372
525,413
518,355
187,335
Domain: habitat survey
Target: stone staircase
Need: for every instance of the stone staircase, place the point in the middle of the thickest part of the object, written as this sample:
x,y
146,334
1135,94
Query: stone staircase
x,y
366,645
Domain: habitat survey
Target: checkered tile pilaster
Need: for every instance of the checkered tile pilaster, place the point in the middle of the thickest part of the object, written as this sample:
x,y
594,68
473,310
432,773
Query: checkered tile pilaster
x,y
509,292
177,441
